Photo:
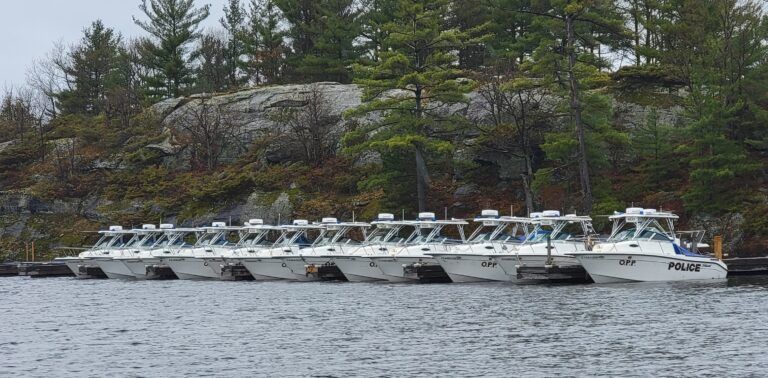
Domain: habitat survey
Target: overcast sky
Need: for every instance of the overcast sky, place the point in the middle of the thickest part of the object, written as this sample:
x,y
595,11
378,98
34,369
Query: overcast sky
x,y
29,28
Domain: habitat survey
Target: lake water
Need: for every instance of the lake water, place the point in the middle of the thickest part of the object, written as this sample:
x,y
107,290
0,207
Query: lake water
x,y
69,327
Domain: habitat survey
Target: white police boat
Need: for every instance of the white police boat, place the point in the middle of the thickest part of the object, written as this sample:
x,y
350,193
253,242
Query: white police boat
x,y
549,245
113,238
388,236
414,262
268,263
111,262
256,236
203,259
155,249
642,247
474,261
316,261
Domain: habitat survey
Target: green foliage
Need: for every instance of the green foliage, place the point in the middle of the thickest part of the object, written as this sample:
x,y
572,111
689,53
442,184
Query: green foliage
x,y
322,34
719,166
234,20
412,84
93,71
174,25
264,42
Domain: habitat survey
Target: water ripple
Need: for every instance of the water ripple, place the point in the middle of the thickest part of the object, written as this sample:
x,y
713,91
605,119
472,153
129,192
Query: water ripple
x,y
68,327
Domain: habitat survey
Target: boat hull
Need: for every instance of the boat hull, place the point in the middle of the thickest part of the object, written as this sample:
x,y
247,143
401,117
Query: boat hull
x,y
360,269
393,267
115,269
137,267
467,268
620,267
267,268
298,265
192,268
73,263
509,263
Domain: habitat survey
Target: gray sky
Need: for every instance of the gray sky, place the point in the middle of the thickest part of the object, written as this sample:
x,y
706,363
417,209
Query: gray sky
x,y
29,28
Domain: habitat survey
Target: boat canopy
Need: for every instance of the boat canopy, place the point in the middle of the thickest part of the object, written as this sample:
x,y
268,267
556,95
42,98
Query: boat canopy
x,y
495,228
643,224
551,224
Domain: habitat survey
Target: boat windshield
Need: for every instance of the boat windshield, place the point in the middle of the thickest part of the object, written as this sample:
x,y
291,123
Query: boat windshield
x,y
207,239
256,239
541,236
650,233
486,237
150,240
120,241
104,241
134,241
162,241
178,240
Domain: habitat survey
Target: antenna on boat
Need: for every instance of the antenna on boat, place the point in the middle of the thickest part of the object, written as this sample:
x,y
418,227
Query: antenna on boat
x,y
511,210
230,221
353,216
445,213
403,216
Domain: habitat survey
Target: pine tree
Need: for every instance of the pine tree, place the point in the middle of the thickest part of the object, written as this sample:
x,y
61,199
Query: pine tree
x,y
265,42
234,23
213,70
719,68
173,25
374,15
323,34
569,35
92,63
413,83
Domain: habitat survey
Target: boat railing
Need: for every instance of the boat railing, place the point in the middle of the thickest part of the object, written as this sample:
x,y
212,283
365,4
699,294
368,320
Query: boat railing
x,y
691,240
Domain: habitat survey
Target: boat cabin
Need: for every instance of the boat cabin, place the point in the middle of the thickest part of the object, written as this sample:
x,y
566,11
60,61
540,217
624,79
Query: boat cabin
x,y
643,224
550,224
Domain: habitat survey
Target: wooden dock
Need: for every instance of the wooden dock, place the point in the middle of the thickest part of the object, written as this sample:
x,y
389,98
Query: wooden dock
x,y
44,269
9,269
747,266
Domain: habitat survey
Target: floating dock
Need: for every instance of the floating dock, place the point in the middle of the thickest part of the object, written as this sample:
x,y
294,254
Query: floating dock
x,y
427,273
747,266
554,273
9,269
326,272
235,272
45,269
160,272
90,272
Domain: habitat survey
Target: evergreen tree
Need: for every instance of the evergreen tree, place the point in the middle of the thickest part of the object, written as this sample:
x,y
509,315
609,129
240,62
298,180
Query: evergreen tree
x,y
265,42
719,68
213,71
323,34
234,23
173,25
374,15
569,35
418,64
90,71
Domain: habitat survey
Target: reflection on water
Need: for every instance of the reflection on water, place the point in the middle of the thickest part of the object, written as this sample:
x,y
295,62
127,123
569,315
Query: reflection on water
x,y
56,327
